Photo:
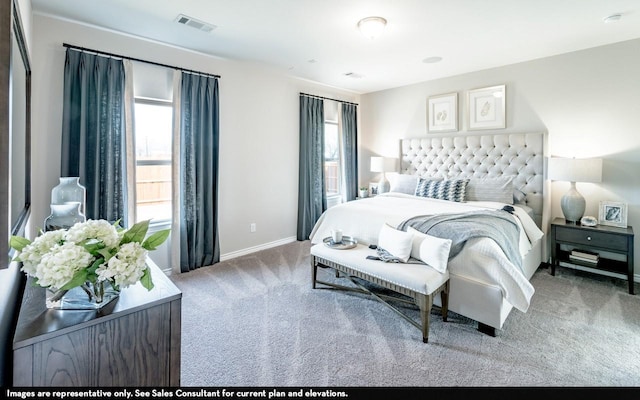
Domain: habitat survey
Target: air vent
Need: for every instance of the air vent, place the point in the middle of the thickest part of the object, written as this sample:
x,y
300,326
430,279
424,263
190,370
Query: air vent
x,y
353,75
194,23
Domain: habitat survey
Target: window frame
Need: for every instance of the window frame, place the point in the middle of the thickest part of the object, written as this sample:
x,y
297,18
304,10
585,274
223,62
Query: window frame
x,y
155,222
338,160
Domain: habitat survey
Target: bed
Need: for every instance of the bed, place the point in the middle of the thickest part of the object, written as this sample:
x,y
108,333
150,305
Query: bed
x,y
485,284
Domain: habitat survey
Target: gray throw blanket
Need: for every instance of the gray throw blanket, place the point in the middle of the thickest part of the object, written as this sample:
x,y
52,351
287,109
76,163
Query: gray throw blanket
x,y
460,227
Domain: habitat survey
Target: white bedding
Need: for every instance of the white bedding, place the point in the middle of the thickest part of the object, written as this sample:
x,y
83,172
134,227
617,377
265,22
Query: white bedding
x,y
481,259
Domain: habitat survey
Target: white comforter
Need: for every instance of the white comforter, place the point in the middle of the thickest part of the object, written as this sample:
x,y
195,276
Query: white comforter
x,y
481,259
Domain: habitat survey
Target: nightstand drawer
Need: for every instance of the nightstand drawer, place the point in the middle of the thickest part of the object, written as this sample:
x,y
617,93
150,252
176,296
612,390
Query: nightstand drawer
x,y
590,238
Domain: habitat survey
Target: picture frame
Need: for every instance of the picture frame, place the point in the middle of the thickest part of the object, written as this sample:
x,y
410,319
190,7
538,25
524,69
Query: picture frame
x,y
486,108
613,213
442,113
373,189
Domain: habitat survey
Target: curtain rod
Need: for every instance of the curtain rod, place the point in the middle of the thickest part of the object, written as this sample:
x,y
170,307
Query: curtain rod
x,y
327,98
137,59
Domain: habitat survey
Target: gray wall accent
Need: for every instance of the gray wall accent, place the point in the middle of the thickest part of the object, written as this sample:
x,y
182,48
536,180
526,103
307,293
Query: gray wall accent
x,y
587,101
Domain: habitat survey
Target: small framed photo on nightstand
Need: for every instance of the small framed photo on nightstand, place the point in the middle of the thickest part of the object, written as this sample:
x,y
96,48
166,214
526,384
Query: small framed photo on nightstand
x,y
373,188
613,213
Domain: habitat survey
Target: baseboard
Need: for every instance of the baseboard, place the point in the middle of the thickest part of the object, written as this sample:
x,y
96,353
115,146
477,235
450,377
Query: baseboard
x,y
253,249
249,250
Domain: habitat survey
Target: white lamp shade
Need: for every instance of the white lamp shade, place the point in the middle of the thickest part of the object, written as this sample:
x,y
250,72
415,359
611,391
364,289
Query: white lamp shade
x,y
575,169
383,164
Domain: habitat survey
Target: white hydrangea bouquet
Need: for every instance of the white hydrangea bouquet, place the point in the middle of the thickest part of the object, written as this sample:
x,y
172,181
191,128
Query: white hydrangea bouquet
x,y
88,255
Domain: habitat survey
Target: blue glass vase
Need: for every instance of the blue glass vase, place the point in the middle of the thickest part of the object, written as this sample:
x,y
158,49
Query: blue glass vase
x,y
69,190
63,216
88,296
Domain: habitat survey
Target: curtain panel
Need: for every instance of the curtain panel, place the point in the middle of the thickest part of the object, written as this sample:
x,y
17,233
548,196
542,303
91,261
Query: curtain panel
x,y
199,158
312,199
93,132
349,123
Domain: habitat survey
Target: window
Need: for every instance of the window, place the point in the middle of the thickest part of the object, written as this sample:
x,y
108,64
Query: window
x,y
332,159
152,131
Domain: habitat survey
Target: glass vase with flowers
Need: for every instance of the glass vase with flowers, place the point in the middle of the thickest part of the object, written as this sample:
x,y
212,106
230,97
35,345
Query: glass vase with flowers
x,y
86,265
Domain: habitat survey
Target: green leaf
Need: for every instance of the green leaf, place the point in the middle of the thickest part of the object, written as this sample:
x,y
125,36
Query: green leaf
x,y
18,243
91,270
156,239
118,227
105,255
136,233
78,279
146,281
93,246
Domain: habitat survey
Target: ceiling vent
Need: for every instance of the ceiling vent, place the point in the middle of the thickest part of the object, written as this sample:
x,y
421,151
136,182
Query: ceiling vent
x,y
194,23
353,75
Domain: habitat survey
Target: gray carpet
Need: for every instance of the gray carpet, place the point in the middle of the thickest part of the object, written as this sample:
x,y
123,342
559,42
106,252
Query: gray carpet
x,y
255,321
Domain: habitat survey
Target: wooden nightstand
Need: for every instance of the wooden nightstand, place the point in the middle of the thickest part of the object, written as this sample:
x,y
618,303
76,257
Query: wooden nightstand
x,y
595,239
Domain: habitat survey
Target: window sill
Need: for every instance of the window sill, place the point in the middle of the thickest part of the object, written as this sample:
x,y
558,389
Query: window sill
x,y
159,225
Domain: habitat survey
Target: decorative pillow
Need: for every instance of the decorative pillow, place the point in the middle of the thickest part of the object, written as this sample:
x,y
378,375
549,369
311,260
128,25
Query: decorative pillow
x,y
519,197
431,250
491,189
451,189
403,183
397,243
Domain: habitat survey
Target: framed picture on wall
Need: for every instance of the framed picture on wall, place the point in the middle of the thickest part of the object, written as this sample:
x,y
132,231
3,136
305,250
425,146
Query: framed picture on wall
x,y
613,213
486,108
442,113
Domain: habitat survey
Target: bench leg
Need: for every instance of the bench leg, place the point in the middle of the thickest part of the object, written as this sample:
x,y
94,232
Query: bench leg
x,y
425,302
444,299
314,272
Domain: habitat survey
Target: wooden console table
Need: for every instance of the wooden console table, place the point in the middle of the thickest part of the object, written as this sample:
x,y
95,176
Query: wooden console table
x,y
133,341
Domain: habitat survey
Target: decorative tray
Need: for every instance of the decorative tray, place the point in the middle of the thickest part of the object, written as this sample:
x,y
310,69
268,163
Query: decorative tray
x,y
347,243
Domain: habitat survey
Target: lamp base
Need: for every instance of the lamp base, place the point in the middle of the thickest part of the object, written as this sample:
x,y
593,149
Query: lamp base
x,y
572,204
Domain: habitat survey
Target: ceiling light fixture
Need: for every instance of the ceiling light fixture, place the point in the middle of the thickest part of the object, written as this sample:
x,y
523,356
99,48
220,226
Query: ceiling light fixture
x,y
372,27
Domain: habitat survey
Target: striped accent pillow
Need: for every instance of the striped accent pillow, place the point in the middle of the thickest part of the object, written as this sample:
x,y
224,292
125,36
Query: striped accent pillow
x,y
451,189
491,189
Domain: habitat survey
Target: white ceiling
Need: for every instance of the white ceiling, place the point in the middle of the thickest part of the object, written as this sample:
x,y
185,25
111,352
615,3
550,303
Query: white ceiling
x,y
318,40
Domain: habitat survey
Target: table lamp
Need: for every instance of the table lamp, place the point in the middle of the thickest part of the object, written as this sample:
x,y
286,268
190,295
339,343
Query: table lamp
x,y
574,170
382,164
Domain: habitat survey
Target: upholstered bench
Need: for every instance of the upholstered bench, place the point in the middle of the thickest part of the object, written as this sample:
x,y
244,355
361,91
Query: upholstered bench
x,y
417,281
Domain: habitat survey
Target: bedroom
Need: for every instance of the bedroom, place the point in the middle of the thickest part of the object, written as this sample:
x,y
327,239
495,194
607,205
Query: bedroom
x,y
587,100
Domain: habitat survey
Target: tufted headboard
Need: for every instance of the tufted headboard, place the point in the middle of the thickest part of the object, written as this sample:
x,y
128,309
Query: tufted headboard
x,y
477,156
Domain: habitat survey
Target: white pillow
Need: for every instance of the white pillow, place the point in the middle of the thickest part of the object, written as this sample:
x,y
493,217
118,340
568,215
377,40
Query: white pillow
x,y
403,183
431,250
398,243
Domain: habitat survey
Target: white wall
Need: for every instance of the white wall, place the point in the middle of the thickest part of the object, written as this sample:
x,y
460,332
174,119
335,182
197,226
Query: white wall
x,y
587,101
258,130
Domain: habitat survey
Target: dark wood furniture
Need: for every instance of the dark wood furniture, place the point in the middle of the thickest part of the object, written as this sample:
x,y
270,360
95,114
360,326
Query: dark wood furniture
x,y
133,341
599,239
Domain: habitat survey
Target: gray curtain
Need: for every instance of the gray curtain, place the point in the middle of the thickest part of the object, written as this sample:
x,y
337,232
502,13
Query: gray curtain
x,y
199,157
312,199
350,149
93,132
